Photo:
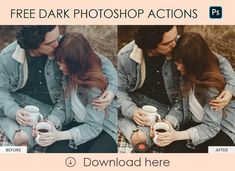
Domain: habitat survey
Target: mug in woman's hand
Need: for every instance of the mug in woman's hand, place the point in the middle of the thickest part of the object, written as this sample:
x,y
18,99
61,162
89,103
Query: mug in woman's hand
x,y
39,128
159,127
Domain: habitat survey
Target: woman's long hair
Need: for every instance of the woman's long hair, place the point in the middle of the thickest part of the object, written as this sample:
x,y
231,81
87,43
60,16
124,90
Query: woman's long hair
x,y
201,65
83,65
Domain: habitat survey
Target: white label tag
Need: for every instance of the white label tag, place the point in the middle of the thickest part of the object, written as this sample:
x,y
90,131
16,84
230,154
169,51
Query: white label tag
x,y
13,149
221,149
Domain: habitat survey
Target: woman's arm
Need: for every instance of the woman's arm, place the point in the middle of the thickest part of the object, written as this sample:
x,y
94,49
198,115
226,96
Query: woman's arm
x,y
209,127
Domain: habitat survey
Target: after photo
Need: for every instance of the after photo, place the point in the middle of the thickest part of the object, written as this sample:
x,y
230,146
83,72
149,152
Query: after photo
x,y
176,88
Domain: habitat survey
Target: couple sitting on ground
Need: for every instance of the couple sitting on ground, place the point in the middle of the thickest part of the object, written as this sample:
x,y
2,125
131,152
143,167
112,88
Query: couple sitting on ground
x,y
80,102
191,87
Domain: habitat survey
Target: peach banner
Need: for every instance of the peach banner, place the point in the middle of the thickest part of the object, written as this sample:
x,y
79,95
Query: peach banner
x,y
107,12
89,162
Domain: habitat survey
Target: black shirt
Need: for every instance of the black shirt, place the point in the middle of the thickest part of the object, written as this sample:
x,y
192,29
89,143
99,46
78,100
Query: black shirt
x,y
36,86
154,86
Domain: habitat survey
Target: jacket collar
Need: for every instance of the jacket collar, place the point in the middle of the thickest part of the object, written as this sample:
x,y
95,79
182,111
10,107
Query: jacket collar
x,y
19,54
137,54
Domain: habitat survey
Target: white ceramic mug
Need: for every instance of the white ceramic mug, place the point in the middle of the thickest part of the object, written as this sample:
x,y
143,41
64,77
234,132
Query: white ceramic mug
x,y
41,127
159,127
35,116
151,114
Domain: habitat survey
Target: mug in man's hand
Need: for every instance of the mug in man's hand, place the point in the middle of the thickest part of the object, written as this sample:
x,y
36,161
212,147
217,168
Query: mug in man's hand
x,y
152,114
34,115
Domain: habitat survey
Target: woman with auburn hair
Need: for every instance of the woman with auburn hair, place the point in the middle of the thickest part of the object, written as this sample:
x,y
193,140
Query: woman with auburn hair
x,y
91,130
201,82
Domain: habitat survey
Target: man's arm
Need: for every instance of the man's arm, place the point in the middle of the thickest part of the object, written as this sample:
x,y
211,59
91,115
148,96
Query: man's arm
x,y
128,107
110,73
225,96
107,96
7,102
228,73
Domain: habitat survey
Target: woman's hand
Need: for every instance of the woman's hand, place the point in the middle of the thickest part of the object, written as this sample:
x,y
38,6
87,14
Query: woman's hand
x,y
221,101
104,100
167,138
49,138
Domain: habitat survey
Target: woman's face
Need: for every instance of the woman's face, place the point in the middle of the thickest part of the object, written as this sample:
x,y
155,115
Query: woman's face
x,y
63,67
180,68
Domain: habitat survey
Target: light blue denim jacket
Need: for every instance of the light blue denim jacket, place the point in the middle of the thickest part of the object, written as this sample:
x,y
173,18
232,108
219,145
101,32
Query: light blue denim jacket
x,y
13,76
95,121
212,122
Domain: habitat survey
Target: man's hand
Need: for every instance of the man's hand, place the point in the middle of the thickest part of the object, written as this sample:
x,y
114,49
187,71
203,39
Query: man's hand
x,y
23,117
104,100
221,101
140,117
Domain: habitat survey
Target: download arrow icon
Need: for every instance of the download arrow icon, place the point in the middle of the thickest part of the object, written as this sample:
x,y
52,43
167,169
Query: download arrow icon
x,y
70,162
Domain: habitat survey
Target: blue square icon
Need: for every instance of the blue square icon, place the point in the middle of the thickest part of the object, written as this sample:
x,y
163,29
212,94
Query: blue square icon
x,y
215,12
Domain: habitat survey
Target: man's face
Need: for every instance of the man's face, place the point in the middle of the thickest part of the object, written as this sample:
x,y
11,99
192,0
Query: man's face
x,y
167,45
50,43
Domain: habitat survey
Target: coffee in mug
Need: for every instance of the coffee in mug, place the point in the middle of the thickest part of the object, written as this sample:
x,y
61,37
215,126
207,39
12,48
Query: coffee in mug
x,y
160,130
43,130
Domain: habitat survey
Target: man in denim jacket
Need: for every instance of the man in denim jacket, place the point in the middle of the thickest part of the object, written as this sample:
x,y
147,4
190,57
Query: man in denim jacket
x,y
29,76
147,75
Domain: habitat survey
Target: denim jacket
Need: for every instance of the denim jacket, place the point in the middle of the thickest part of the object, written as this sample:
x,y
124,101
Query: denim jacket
x,y
213,121
95,121
131,76
14,74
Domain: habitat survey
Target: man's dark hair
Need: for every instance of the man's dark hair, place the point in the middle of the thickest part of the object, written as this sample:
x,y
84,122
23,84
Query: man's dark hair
x,y
148,37
30,37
